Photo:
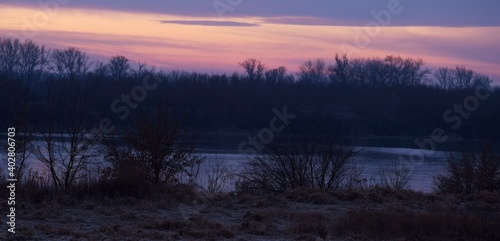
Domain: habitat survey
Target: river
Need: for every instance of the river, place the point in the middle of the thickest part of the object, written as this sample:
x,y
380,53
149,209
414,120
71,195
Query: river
x,y
372,160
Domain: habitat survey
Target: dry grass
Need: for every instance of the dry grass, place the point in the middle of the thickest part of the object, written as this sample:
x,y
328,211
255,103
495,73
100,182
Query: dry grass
x,y
310,222
412,225
299,214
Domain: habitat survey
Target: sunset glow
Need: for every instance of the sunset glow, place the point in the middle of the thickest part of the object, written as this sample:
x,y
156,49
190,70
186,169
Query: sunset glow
x,y
216,45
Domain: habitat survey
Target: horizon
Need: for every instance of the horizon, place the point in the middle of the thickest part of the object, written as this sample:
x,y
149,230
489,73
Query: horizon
x,y
197,36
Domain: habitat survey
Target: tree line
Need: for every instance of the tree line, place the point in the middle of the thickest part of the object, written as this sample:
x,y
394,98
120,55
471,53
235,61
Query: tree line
x,y
352,96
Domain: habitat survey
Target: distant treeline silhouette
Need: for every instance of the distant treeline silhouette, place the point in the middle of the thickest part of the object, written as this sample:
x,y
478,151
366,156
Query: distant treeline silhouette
x,y
391,96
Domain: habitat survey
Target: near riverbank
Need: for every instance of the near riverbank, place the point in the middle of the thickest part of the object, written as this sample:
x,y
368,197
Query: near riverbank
x,y
181,213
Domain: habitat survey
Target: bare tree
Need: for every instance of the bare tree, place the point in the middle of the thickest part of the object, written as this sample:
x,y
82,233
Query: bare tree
x,y
314,71
277,75
254,68
33,60
340,71
464,78
9,57
358,72
482,80
144,70
377,72
101,69
67,149
445,78
415,71
70,63
460,78
405,72
119,67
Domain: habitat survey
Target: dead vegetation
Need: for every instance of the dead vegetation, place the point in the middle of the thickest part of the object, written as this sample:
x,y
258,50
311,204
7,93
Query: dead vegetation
x,y
298,214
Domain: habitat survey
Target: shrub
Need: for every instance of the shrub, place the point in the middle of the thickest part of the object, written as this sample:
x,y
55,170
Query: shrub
x,y
471,172
157,149
124,177
326,165
218,176
396,176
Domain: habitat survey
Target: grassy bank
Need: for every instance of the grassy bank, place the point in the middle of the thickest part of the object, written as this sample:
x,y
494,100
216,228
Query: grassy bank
x,y
181,213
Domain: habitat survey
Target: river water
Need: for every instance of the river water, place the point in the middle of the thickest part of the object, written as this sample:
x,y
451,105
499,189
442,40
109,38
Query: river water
x,y
373,161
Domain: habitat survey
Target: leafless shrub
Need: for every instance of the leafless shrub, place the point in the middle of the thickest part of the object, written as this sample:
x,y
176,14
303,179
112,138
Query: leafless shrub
x,y
331,167
218,176
396,176
157,147
301,163
470,172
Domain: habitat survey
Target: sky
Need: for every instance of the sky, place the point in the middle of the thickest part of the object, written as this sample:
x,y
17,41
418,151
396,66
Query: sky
x,y
214,35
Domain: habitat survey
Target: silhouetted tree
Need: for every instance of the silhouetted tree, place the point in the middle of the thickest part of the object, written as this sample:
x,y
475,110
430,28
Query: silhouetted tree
x,y
314,72
70,63
482,80
404,72
359,72
33,60
340,72
101,70
445,78
254,68
460,78
277,75
377,72
67,147
10,57
463,78
119,67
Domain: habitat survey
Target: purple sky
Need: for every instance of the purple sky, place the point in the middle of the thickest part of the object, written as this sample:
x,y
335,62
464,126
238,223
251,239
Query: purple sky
x,y
194,35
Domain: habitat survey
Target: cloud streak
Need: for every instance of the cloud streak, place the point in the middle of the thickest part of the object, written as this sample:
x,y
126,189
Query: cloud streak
x,y
445,13
214,44
209,23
